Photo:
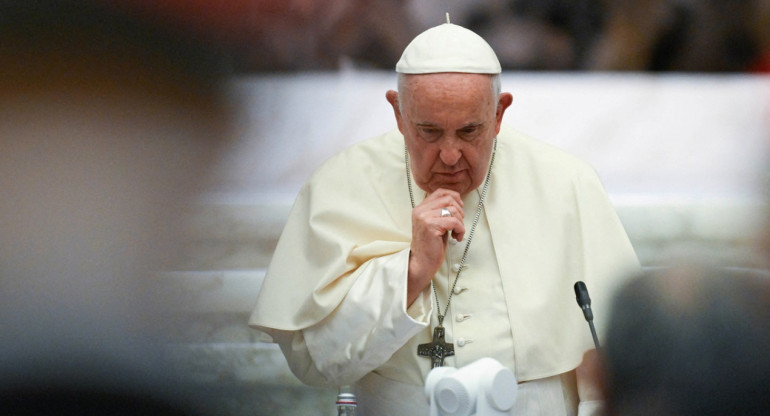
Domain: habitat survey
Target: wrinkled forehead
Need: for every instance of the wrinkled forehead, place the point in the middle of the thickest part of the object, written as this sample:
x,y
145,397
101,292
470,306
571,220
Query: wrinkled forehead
x,y
444,86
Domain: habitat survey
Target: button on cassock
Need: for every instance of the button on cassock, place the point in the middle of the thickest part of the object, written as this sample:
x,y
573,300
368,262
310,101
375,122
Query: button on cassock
x,y
462,316
462,341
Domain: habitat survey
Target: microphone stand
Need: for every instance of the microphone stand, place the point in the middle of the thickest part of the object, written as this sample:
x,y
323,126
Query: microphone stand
x,y
593,333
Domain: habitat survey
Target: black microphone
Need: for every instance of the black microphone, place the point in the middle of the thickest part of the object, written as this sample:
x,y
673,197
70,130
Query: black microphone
x,y
584,301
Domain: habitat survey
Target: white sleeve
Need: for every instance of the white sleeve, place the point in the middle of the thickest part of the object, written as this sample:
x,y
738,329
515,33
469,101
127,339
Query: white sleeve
x,y
371,323
591,408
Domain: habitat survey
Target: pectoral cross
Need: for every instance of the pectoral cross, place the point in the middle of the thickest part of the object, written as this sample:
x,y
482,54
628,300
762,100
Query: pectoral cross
x,y
436,350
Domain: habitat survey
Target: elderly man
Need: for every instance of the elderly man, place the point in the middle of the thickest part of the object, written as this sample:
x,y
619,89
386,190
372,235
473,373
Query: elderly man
x,y
453,229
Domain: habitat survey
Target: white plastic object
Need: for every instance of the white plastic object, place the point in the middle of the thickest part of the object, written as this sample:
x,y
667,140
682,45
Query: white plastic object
x,y
482,388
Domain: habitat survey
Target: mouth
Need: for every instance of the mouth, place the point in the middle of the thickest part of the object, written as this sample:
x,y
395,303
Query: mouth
x,y
457,174
450,178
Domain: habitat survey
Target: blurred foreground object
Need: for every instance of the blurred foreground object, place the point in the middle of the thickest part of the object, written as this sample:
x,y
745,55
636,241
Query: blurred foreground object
x,y
690,340
107,127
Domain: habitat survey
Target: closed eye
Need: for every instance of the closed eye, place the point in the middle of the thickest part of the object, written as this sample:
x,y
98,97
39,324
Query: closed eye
x,y
469,132
429,133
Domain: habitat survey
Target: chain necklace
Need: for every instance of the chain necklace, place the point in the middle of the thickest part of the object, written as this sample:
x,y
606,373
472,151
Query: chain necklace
x,y
438,349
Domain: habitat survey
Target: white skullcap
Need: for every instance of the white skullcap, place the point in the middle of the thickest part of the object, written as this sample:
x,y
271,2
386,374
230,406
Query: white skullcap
x,y
448,48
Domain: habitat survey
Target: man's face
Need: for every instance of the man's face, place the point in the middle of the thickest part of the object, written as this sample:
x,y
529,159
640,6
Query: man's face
x,y
449,121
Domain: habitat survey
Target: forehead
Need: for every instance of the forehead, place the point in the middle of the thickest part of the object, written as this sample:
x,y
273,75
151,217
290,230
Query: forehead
x,y
454,93
435,85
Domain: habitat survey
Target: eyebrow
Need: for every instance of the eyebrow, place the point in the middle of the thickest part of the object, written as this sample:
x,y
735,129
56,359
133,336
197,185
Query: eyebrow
x,y
429,124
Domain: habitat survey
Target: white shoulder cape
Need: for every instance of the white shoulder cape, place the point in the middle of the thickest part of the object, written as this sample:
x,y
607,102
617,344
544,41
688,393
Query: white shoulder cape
x,y
552,224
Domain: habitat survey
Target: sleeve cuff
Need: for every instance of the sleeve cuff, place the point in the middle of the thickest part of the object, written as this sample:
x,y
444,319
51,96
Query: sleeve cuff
x,y
371,323
591,408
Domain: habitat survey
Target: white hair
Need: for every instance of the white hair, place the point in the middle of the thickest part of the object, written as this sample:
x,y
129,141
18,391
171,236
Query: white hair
x,y
494,83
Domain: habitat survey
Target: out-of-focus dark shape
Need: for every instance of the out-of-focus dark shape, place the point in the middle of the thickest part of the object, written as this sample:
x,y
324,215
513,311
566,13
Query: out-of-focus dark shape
x,y
108,124
690,340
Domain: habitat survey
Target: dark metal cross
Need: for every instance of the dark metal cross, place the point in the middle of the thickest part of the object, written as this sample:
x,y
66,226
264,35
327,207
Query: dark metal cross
x,y
436,350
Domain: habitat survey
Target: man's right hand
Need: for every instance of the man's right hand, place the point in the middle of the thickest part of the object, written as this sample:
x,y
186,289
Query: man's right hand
x,y
430,237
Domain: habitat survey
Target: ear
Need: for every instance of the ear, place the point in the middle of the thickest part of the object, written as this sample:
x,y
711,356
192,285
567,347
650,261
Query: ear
x,y
392,97
503,102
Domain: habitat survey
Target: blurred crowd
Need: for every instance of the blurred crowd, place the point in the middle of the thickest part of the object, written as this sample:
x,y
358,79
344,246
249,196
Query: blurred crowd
x,y
649,35
548,35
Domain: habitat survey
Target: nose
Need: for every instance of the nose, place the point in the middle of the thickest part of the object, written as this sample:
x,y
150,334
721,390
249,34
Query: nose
x,y
450,153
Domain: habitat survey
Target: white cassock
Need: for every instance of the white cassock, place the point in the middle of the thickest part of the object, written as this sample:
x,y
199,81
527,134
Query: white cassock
x,y
334,296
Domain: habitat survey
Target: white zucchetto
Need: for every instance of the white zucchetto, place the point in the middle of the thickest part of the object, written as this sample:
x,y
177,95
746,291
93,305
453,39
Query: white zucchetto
x,y
448,48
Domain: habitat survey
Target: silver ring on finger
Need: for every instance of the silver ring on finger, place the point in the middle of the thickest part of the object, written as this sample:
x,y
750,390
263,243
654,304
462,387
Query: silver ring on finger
x,y
445,212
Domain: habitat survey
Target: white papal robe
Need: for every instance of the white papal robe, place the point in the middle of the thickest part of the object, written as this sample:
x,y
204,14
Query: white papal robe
x,y
334,296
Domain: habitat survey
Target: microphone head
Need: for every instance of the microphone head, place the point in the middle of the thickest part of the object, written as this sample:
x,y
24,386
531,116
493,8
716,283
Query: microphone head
x,y
579,286
583,300
581,294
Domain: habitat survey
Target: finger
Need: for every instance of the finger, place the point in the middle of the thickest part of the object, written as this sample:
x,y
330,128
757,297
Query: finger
x,y
458,235
437,208
441,209
454,226
442,194
451,211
